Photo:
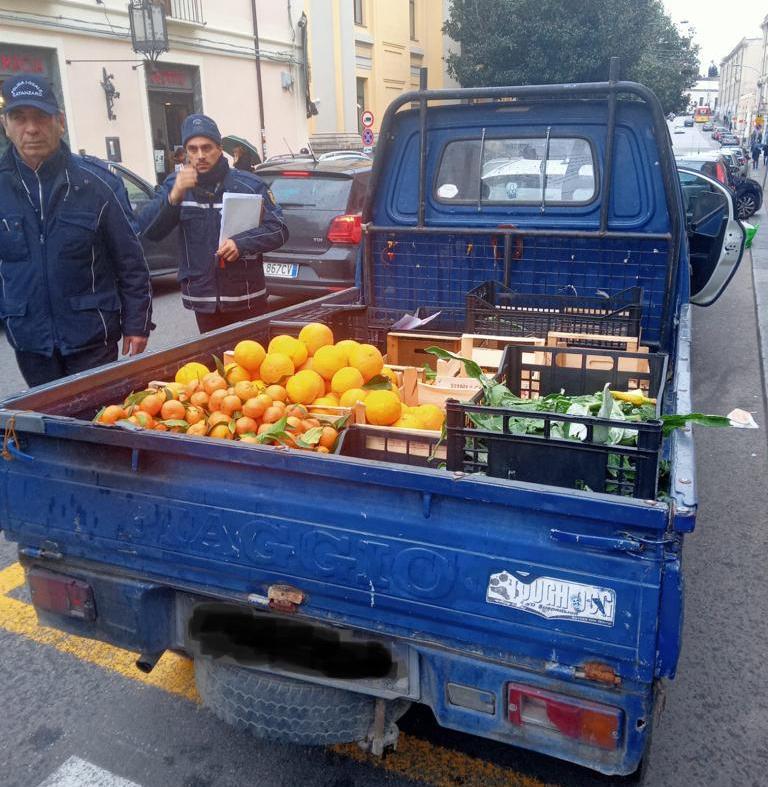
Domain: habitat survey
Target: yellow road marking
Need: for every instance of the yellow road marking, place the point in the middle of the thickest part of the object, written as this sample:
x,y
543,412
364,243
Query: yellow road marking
x,y
414,759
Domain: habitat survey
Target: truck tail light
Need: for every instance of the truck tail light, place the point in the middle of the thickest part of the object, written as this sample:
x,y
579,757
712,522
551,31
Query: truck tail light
x,y
346,229
61,594
582,720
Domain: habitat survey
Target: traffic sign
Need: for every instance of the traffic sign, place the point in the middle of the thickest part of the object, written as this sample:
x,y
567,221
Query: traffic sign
x,y
367,136
367,118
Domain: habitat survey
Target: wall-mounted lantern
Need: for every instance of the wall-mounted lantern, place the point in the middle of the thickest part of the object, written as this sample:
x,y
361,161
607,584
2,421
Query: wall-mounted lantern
x,y
149,32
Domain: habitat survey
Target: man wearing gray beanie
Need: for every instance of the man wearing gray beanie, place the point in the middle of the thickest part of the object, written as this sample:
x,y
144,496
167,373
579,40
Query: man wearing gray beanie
x,y
223,283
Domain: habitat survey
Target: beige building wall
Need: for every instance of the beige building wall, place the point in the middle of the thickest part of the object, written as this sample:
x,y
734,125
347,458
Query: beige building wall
x,y
78,40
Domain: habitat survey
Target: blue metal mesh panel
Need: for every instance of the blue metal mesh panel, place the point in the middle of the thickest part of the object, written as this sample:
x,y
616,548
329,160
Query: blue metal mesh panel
x,y
412,271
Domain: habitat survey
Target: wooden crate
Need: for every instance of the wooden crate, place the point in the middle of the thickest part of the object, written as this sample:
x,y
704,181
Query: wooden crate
x,y
629,344
395,441
487,350
409,349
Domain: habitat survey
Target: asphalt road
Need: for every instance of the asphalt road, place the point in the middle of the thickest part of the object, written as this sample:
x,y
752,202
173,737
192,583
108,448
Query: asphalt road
x,y
63,699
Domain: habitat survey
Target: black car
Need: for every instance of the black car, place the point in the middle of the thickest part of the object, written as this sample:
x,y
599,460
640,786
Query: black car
x,y
688,122
748,194
162,256
322,202
727,140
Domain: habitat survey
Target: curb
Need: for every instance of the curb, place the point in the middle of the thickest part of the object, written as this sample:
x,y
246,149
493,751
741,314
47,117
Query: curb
x,y
759,257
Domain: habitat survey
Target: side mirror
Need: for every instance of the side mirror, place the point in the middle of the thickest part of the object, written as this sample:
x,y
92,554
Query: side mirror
x,y
716,238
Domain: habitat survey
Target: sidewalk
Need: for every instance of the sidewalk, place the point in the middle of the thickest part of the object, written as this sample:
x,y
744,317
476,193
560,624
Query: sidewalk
x,y
759,257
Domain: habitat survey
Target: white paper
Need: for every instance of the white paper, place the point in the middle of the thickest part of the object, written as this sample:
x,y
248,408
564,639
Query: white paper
x,y
239,212
409,322
741,419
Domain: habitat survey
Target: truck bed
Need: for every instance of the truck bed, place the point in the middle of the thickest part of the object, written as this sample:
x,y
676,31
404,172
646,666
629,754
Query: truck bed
x,y
470,563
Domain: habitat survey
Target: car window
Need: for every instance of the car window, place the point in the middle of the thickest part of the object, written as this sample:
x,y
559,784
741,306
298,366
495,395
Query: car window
x,y
309,192
514,171
136,193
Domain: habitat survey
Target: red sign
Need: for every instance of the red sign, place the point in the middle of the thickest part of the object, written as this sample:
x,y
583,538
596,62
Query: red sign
x,y
18,62
170,78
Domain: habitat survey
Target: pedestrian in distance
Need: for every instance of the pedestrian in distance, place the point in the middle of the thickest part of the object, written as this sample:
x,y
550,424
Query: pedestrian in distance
x,y
222,282
179,158
74,277
757,149
243,159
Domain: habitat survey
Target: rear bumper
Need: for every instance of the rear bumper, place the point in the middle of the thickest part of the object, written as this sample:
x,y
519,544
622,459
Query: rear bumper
x,y
317,275
149,618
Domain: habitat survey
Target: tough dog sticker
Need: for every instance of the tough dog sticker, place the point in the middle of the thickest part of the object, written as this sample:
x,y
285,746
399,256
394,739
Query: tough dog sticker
x,y
552,598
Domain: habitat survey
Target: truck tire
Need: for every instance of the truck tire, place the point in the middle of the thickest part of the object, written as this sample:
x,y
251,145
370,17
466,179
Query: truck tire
x,y
284,709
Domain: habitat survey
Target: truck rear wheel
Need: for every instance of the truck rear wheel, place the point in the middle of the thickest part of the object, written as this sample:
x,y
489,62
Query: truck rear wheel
x,y
284,709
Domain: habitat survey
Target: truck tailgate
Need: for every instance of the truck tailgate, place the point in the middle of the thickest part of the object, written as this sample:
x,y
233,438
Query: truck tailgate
x,y
510,570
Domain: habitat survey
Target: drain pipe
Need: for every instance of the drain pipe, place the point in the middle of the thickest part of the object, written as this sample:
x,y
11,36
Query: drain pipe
x,y
257,48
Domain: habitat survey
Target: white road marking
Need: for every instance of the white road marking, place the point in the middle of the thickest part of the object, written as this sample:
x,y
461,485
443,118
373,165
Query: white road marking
x,y
81,773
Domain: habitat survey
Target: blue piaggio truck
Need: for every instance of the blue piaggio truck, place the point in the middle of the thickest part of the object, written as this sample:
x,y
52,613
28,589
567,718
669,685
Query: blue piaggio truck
x,y
320,596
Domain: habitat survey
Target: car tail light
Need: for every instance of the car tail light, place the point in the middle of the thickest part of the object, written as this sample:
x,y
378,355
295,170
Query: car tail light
x,y
581,720
346,229
295,173
720,173
61,594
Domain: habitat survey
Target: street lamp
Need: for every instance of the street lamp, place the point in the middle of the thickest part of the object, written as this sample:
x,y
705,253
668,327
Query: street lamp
x,y
149,33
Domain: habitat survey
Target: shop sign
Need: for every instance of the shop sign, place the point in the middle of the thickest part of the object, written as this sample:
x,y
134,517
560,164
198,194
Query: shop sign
x,y
170,79
19,62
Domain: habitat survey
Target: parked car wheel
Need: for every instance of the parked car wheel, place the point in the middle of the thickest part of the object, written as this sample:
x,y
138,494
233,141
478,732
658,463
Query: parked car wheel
x,y
746,204
284,709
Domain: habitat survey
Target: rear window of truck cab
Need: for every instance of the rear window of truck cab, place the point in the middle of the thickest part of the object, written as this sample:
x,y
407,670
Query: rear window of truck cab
x,y
516,171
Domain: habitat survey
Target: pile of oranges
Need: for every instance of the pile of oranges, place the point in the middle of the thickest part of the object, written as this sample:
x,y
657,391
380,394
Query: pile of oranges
x,y
297,392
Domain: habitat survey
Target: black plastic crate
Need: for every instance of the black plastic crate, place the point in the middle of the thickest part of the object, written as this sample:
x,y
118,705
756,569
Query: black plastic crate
x,y
497,310
549,458
384,444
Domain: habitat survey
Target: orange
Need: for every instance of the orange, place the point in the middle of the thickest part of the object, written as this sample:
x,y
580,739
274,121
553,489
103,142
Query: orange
x,y
387,372
276,367
291,346
200,429
346,346
346,379
408,420
325,401
382,408
199,399
194,415
431,416
321,449
315,335
367,360
213,382
328,438
245,424
249,438
249,354
151,404
294,424
245,389
304,387
255,407
353,395
297,411
218,418
172,410
111,414
327,360
230,404
272,414
276,392
143,419
221,431
216,398
236,374
191,371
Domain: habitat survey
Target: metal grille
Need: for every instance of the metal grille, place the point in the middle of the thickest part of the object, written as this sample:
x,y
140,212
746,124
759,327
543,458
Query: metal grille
x,y
437,272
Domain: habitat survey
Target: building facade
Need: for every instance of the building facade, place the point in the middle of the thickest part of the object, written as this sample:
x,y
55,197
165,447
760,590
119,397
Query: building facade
x,y
211,66
365,53
705,93
739,75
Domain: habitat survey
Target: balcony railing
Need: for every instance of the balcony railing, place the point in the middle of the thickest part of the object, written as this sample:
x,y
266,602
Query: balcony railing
x,y
184,10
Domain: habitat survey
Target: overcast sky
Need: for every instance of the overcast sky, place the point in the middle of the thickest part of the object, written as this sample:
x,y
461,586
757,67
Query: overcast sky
x,y
718,27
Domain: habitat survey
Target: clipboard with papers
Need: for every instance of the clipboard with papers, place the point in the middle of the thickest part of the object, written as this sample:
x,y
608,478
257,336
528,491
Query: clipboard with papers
x,y
239,212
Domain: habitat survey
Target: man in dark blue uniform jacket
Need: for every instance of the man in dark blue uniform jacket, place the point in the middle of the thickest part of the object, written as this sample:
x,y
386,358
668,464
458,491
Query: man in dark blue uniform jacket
x,y
223,283
73,277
